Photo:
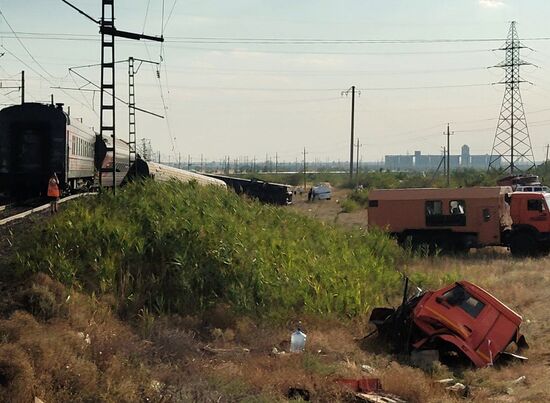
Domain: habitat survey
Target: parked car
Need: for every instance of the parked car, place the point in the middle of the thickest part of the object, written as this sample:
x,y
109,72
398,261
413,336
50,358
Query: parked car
x,y
321,191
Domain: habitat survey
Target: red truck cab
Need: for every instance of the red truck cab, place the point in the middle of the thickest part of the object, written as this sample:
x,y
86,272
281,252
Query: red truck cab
x,y
468,317
530,214
459,320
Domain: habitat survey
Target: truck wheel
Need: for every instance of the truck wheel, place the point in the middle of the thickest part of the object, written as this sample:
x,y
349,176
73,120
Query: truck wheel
x,y
524,244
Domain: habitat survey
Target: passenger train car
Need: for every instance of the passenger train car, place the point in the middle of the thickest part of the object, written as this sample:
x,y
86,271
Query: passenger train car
x,y
38,139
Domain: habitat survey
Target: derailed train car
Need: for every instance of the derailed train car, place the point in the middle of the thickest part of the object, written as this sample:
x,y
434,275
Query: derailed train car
x,y
266,192
162,173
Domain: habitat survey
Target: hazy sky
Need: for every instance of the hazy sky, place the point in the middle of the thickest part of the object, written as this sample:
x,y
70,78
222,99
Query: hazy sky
x,y
228,96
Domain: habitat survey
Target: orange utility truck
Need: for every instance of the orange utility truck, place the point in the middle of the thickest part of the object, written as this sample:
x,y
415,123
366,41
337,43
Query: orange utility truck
x,y
464,218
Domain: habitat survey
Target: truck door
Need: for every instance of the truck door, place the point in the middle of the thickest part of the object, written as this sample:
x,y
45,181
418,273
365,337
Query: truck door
x,y
537,212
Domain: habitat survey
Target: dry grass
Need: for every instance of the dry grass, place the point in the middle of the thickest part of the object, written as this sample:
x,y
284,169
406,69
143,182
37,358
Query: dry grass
x,y
63,346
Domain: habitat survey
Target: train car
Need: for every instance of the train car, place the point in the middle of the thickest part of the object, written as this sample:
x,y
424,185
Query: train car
x,y
161,172
266,192
38,139
104,161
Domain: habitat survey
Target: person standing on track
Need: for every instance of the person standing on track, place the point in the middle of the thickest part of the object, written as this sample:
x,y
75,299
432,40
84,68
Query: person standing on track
x,y
53,192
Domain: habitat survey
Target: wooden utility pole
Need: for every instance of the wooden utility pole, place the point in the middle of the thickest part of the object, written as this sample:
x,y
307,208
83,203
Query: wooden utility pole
x,y
305,168
353,91
448,134
23,87
547,147
357,160
188,162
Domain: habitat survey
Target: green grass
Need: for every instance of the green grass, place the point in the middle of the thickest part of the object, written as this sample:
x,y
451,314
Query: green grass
x,y
185,248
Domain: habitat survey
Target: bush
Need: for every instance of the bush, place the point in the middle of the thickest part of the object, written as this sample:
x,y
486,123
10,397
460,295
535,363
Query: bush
x,y
360,196
349,205
185,248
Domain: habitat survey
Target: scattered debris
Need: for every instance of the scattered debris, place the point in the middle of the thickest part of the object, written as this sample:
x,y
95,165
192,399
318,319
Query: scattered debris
x,y
275,351
521,379
370,390
459,320
298,393
445,381
379,398
235,350
368,369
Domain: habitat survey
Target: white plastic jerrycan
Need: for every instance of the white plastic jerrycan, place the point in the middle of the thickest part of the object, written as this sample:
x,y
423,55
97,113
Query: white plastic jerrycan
x,y
297,341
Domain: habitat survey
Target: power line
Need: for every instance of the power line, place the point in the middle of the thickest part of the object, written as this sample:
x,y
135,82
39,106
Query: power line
x,y
333,89
23,45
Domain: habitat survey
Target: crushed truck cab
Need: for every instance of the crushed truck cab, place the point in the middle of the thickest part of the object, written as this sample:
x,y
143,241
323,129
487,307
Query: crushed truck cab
x,y
461,318
463,218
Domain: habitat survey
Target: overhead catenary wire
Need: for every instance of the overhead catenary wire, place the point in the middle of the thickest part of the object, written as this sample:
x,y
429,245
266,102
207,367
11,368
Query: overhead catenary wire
x,y
23,46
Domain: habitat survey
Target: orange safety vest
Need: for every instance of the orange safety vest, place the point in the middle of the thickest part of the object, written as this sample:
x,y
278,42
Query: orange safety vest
x,y
53,188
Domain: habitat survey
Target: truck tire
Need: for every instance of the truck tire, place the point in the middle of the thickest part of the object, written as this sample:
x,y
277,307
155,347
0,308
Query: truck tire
x,y
524,244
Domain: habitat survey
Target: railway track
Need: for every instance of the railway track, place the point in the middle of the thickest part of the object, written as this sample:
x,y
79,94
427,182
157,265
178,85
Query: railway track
x,y
12,212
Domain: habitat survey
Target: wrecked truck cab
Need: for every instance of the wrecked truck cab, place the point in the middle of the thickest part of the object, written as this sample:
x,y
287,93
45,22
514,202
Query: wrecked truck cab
x,y
461,317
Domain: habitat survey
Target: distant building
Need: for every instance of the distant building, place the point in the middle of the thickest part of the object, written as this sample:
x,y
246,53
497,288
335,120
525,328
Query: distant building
x,y
427,162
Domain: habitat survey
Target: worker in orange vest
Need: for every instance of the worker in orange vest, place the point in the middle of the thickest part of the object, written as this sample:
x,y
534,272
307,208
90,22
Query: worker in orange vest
x,y
53,192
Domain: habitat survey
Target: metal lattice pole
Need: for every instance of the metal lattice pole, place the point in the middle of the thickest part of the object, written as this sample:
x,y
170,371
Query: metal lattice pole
x,y
512,150
107,101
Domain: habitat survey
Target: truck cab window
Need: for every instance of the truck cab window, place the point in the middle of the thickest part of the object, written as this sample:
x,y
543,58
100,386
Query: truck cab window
x,y
535,205
458,296
434,207
457,207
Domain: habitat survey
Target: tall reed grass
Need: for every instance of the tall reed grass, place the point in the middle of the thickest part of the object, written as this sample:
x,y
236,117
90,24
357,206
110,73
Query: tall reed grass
x,y
183,248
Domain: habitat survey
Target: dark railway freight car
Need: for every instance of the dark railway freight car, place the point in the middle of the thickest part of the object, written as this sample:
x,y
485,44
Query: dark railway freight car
x,y
266,192
38,139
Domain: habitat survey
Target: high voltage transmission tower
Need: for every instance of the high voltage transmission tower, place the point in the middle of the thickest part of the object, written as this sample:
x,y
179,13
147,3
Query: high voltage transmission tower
x,y
512,146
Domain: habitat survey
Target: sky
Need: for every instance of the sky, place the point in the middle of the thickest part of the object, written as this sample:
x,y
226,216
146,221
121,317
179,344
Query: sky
x,y
257,78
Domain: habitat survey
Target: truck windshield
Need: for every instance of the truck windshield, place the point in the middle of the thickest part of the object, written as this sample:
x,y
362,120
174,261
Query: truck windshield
x,y
458,296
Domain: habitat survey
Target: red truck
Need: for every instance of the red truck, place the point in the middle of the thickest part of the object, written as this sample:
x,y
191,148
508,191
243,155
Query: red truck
x,y
461,318
464,218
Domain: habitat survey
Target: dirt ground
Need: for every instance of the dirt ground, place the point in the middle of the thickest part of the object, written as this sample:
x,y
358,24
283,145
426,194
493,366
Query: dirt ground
x,y
330,211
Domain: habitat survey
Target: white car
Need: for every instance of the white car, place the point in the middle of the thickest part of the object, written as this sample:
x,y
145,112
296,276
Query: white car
x,y
321,191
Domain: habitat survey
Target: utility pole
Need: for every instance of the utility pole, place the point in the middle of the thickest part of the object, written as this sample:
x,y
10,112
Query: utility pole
x,y
254,164
276,162
357,160
448,171
22,87
188,162
202,164
305,167
444,161
547,147
353,91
